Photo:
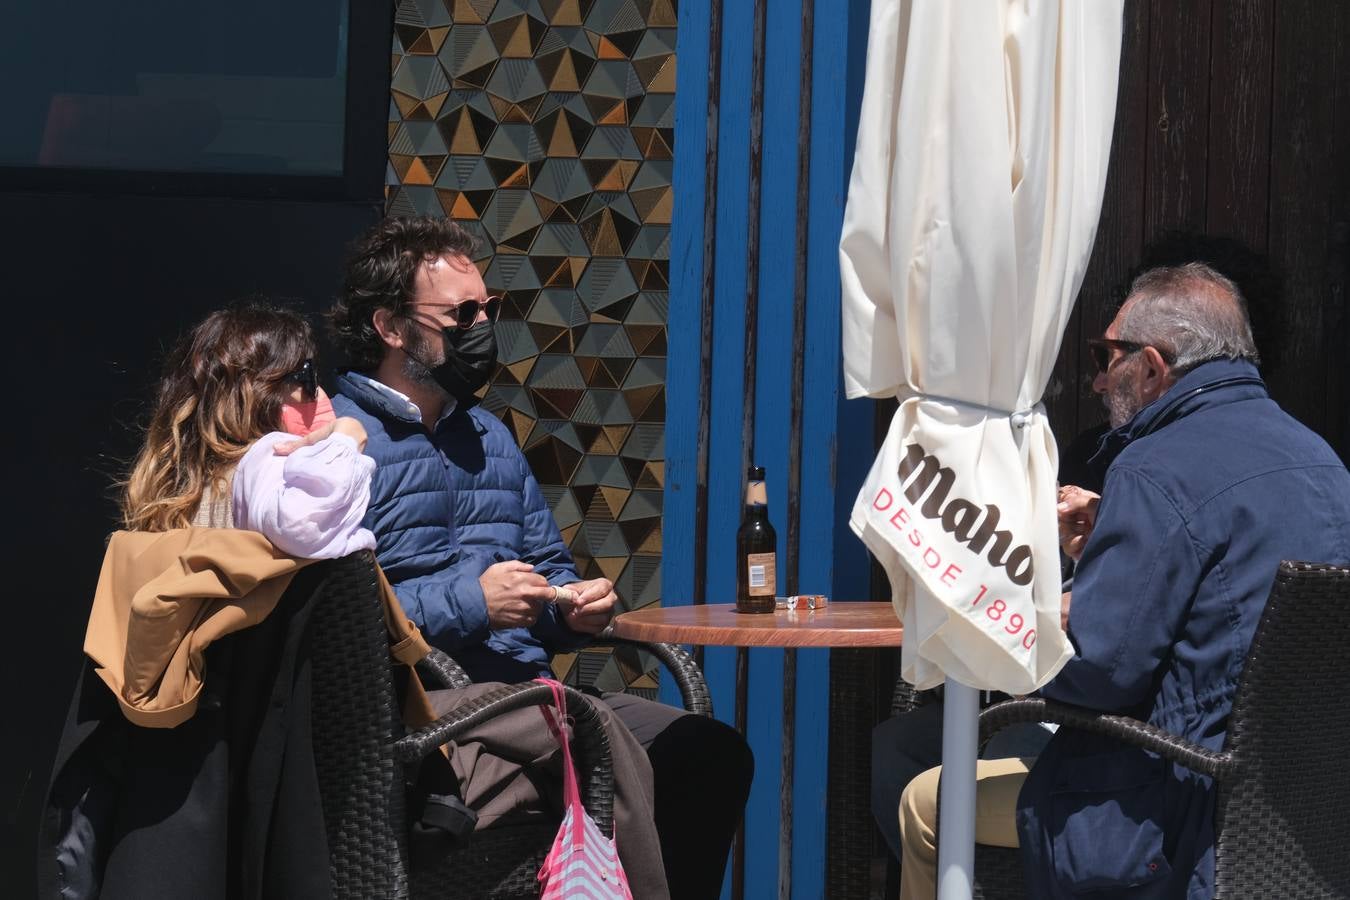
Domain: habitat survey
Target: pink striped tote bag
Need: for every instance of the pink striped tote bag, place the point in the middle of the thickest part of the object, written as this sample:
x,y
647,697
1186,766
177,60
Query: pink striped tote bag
x,y
582,863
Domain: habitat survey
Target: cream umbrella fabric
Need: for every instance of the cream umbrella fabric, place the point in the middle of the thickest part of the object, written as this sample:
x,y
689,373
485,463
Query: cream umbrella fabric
x,y
976,189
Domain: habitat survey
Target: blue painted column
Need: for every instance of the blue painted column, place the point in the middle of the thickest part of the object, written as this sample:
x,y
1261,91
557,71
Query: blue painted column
x,y
707,390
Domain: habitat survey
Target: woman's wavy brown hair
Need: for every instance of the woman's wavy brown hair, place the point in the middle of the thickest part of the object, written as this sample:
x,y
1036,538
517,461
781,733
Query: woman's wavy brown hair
x,y
223,387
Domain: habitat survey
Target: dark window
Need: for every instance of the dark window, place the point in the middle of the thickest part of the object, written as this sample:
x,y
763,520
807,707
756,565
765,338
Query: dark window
x,y
232,86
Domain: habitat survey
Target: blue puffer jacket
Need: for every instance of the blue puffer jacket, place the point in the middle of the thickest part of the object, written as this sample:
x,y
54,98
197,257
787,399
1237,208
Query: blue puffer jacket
x,y
445,505
1210,487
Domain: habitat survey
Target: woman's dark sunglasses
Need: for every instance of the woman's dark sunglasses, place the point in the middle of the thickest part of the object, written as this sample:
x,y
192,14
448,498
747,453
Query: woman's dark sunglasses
x,y
465,312
1101,350
307,379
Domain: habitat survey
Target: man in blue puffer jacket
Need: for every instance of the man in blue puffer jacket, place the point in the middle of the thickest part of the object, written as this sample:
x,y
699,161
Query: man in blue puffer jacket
x,y
1209,486
465,535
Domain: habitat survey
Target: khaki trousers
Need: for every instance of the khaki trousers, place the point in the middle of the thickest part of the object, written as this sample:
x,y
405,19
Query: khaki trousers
x,y
998,782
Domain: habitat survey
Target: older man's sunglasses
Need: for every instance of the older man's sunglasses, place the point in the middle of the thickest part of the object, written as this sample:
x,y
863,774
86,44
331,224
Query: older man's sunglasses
x,y
1101,349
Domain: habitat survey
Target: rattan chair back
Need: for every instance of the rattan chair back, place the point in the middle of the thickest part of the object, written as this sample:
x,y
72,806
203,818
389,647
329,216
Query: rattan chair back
x,y
355,720
1281,815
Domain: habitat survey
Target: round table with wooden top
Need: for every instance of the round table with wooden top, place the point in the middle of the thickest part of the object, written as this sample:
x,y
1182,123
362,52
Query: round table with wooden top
x,y
839,624
843,624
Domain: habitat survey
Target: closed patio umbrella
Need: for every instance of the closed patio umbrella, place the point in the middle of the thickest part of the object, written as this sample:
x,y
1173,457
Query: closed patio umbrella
x,y
975,194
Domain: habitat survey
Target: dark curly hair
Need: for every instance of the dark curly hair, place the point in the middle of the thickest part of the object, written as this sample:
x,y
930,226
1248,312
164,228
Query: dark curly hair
x,y
379,275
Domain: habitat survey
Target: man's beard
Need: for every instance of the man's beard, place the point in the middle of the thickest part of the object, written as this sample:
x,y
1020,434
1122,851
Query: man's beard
x,y
1122,400
420,355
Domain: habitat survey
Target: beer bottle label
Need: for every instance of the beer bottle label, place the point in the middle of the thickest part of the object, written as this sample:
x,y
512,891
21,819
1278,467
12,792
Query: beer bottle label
x,y
763,572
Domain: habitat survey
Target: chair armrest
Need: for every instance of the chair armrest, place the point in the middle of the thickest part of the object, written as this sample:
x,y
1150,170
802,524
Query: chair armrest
x,y
590,744
439,672
1122,728
688,676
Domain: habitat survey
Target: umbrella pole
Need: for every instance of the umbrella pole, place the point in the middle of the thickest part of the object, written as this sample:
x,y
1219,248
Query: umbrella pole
x,y
956,810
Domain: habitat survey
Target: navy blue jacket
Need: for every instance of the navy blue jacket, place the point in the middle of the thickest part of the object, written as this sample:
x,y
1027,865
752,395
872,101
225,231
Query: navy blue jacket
x,y
445,505
1210,487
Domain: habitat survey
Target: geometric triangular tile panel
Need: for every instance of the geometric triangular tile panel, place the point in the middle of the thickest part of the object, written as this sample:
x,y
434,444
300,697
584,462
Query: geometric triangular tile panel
x,y
546,128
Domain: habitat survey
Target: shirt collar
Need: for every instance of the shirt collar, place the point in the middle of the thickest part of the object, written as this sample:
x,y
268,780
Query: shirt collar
x,y
400,401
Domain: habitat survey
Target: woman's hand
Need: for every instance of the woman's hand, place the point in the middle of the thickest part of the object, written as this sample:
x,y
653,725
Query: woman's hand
x,y
342,425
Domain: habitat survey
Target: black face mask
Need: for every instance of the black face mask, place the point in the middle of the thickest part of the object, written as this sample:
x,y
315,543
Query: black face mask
x,y
470,356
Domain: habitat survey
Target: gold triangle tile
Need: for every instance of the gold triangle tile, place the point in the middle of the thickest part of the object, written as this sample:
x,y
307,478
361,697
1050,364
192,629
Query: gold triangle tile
x,y
520,178
523,425
586,365
561,276
464,13
546,207
421,46
615,498
501,107
602,446
405,103
401,164
518,45
464,141
561,143
607,50
433,104
660,213
565,79
605,240
664,82
569,13
618,115
521,370
417,173
612,566
645,682
463,209
662,15
515,113
562,664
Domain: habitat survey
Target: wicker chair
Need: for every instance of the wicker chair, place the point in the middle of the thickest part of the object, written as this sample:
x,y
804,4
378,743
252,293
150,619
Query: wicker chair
x,y
361,751
1281,776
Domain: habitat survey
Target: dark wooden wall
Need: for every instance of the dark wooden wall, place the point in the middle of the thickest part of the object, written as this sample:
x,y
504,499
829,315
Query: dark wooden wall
x,y
1233,121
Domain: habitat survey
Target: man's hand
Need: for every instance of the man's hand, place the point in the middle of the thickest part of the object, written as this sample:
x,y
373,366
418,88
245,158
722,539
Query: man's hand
x,y
343,425
1077,511
1065,600
593,608
514,594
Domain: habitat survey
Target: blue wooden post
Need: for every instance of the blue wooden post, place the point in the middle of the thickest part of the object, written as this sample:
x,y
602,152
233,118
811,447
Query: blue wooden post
x,y
831,560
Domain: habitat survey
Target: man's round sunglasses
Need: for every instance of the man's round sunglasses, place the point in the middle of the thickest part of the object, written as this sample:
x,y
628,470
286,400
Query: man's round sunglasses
x,y
465,312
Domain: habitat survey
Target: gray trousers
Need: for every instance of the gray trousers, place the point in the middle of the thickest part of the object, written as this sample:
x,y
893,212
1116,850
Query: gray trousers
x,y
511,770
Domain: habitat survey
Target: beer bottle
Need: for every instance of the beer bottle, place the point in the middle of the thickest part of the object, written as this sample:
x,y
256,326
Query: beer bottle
x,y
756,545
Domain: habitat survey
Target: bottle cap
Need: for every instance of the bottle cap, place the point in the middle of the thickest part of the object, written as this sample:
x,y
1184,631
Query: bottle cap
x,y
756,473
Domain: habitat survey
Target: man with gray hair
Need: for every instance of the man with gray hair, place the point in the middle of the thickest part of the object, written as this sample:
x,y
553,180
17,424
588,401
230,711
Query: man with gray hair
x,y
1209,484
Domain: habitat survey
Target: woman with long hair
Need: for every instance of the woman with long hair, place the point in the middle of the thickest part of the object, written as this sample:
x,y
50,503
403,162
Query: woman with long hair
x,y
242,436
241,442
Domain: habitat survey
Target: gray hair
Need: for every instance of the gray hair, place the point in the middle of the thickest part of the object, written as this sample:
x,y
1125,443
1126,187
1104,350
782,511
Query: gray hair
x,y
1190,313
